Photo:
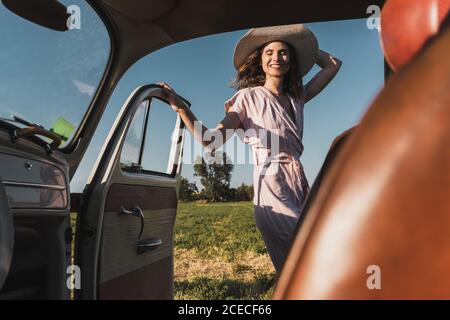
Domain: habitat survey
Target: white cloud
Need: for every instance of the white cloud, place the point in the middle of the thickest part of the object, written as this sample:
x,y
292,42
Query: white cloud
x,y
84,88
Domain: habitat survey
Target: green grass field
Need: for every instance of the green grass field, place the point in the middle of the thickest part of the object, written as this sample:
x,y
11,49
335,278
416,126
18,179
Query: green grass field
x,y
219,253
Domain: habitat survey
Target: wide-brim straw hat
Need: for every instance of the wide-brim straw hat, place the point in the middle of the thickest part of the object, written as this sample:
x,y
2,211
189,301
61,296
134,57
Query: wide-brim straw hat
x,y
297,35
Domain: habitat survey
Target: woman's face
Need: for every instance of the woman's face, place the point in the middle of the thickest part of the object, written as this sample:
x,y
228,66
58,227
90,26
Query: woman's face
x,y
275,59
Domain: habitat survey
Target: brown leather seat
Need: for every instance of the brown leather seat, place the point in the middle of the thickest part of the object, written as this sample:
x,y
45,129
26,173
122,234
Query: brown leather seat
x,y
385,200
336,146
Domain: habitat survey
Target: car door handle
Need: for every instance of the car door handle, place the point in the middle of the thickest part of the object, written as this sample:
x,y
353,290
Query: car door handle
x,y
148,245
136,212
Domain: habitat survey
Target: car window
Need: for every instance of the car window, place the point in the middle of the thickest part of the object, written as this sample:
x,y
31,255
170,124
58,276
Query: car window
x,y
149,143
131,149
50,77
162,124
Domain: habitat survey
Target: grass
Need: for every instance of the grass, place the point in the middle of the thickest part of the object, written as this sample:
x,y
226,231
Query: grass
x,y
219,253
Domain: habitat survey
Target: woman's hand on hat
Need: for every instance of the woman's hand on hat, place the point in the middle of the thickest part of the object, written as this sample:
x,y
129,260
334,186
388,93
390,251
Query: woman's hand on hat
x,y
172,97
330,66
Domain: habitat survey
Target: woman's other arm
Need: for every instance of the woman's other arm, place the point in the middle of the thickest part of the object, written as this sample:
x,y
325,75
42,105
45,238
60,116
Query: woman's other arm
x,y
330,66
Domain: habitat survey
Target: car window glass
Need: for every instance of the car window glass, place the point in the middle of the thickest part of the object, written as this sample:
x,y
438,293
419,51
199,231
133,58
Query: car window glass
x,y
50,77
158,144
132,145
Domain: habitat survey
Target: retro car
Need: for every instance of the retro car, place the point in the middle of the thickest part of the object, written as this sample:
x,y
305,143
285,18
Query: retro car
x,y
380,199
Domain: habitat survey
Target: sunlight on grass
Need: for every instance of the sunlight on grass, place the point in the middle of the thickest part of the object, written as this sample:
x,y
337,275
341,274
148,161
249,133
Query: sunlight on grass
x,y
219,253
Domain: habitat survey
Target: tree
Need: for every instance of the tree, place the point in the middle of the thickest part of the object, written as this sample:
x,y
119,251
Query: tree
x,y
244,192
215,176
188,190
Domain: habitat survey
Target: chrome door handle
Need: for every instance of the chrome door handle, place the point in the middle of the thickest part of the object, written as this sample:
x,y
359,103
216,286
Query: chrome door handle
x,y
148,245
136,212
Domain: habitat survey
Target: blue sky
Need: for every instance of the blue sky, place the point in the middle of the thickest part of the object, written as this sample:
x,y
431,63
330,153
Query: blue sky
x,y
201,71
60,72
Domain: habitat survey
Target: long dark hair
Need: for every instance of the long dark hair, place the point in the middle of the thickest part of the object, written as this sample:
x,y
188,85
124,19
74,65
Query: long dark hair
x,y
251,74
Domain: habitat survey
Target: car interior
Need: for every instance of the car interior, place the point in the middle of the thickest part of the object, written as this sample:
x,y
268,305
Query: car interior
x,y
382,193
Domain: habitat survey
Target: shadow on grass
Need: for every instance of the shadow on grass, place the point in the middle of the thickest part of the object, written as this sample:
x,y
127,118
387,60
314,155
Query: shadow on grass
x,y
228,289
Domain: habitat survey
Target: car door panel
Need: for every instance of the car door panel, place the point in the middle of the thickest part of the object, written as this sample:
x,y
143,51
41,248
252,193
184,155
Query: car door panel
x,y
33,184
107,241
120,243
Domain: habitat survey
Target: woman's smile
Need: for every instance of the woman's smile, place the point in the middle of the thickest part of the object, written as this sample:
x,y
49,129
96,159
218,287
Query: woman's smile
x,y
277,66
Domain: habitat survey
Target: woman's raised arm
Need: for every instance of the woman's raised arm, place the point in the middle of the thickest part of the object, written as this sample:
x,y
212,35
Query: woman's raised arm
x,y
330,66
210,139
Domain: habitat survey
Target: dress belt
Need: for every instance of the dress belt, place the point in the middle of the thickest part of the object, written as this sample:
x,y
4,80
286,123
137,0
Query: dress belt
x,y
262,156
263,160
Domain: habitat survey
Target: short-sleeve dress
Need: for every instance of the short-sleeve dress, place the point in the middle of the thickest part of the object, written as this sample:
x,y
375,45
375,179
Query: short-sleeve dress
x,y
280,185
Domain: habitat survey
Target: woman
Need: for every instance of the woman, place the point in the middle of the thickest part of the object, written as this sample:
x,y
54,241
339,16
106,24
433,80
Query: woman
x,y
270,64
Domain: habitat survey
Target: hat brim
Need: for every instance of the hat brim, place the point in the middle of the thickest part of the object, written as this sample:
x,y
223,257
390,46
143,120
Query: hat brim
x,y
297,35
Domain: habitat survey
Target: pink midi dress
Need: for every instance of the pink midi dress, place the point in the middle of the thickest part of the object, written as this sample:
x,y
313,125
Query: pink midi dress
x,y
280,185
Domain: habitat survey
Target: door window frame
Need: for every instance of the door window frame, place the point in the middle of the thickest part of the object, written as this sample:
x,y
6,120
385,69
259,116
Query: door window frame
x,y
175,150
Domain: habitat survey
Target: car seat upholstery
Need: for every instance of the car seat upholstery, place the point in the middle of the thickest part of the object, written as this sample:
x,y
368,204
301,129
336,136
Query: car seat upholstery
x,y
336,146
383,207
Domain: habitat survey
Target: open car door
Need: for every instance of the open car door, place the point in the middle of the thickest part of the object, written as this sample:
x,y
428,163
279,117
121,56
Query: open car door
x,y
124,238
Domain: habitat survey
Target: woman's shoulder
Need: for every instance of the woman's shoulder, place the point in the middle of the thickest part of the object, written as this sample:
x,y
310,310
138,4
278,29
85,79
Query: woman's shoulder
x,y
244,91
249,94
241,99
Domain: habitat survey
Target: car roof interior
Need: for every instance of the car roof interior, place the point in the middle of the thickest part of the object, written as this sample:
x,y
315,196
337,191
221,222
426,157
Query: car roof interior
x,y
142,27
166,22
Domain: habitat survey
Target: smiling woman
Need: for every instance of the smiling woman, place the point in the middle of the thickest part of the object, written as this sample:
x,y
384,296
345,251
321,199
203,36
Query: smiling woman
x,y
49,76
272,99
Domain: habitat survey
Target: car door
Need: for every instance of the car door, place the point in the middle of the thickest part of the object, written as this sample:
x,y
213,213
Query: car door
x,y
124,239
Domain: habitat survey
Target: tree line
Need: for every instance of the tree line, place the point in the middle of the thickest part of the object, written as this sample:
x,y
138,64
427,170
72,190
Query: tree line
x,y
215,177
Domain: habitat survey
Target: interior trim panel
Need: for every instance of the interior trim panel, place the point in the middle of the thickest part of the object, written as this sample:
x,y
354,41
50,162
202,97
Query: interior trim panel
x,y
33,184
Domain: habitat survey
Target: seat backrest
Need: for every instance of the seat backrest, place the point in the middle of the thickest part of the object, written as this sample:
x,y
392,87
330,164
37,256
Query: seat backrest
x,y
378,225
335,147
